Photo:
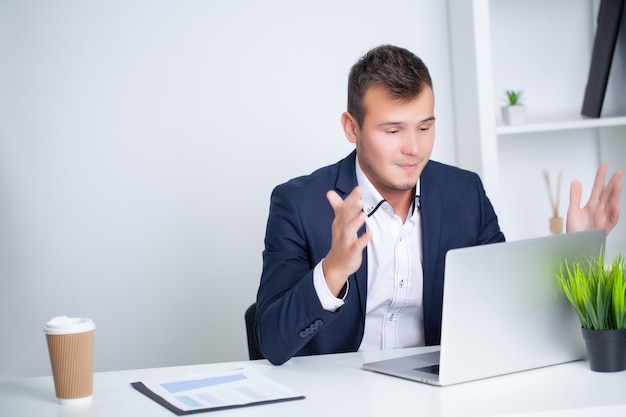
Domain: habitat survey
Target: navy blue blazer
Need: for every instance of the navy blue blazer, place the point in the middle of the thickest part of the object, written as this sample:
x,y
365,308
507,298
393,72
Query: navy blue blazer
x,y
290,320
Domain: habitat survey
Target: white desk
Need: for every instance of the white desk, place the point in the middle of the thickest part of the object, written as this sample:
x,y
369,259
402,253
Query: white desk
x,y
335,385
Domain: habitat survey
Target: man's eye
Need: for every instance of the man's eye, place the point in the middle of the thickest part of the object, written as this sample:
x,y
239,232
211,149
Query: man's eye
x,y
393,131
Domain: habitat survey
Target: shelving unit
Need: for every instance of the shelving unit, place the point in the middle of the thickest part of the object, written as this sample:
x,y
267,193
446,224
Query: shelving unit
x,y
567,123
543,48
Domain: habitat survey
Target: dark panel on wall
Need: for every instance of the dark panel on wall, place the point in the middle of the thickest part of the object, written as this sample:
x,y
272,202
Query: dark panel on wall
x,y
609,19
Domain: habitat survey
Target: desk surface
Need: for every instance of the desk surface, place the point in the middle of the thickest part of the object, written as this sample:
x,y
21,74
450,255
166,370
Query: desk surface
x,y
336,385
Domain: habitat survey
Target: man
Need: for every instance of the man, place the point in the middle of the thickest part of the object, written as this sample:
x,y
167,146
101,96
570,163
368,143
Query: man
x,y
354,253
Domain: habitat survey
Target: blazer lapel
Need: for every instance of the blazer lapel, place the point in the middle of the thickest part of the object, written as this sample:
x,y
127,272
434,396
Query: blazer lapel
x,y
346,175
431,237
346,181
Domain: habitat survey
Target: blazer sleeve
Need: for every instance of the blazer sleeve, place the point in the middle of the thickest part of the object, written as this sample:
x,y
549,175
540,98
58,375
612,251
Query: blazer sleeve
x,y
289,312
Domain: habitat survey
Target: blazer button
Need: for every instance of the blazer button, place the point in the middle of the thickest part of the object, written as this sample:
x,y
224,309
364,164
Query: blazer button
x,y
312,328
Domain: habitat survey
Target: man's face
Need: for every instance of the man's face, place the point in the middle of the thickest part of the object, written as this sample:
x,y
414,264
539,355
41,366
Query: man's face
x,y
396,139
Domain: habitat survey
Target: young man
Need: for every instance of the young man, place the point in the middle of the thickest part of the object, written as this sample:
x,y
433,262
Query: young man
x,y
354,253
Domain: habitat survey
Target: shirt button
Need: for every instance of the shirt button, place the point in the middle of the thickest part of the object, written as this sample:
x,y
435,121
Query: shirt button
x,y
402,284
391,317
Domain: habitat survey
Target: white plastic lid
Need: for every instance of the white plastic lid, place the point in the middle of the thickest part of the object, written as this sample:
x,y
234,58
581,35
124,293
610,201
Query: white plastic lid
x,y
68,325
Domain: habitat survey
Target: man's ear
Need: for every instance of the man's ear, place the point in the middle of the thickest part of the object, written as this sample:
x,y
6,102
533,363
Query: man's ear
x,y
350,127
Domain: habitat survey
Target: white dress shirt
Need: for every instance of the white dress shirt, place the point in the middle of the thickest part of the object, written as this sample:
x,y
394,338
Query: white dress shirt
x,y
394,314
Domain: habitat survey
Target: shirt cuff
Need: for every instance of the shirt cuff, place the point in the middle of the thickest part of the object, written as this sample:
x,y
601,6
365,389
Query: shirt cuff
x,y
327,299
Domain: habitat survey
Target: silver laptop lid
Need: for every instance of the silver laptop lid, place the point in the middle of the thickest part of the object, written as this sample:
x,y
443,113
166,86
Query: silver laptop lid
x,y
504,310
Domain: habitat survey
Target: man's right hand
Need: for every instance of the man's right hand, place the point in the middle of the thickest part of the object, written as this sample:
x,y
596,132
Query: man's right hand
x,y
346,250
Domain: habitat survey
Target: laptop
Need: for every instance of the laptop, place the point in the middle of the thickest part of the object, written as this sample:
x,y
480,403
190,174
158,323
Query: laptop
x,y
503,312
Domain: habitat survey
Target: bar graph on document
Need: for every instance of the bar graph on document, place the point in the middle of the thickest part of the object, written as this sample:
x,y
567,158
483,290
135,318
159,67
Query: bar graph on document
x,y
233,388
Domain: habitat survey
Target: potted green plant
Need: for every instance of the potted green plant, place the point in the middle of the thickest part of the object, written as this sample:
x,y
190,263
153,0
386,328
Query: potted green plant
x,y
514,112
597,291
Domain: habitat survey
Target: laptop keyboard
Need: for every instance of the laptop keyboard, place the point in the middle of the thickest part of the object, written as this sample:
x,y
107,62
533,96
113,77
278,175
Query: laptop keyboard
x,y
432,369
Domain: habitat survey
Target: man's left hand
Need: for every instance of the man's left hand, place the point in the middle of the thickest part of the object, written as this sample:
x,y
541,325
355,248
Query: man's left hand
x,y
602,209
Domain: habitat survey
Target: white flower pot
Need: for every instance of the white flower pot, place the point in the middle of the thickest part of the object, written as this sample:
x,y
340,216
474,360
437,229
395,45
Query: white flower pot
x,y
514,115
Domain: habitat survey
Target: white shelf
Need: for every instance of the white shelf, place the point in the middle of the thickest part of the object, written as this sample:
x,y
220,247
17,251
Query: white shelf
x,y
549,62
580,122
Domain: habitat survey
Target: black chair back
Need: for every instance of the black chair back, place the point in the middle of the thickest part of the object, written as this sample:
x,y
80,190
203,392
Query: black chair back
x,y
253,349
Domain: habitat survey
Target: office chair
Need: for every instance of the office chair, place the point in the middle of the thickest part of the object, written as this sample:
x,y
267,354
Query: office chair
x,y
253,349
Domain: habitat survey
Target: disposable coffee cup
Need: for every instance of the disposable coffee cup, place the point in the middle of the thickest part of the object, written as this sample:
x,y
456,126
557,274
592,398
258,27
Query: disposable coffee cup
x,y
70,344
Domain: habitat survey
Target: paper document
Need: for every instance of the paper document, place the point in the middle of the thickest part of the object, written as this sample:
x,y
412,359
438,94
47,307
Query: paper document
x,y
215,391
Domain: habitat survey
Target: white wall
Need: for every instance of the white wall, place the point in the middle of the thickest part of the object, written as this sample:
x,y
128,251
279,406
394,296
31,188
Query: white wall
x,y
139,143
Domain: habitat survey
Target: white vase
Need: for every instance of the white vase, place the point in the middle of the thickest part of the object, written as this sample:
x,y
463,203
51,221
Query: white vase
x,y
514,115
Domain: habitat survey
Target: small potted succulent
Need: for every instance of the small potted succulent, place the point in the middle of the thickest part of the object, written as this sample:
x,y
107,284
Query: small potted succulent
x,y
514,112
597,291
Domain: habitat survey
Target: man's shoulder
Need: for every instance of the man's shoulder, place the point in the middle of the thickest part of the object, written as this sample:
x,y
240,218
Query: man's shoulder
x,y
320,175
325,177
438,171
307,194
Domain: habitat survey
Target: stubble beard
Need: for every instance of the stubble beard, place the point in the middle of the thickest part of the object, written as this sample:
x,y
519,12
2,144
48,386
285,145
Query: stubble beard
x,y
400,187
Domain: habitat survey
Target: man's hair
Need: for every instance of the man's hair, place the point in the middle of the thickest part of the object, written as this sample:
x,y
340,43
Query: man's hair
x,y
399,71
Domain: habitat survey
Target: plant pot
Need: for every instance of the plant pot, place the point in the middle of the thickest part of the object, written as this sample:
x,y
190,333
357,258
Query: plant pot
x,y
514,115
606,349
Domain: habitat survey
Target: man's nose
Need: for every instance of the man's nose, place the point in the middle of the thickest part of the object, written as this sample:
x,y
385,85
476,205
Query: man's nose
x,y
410,145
